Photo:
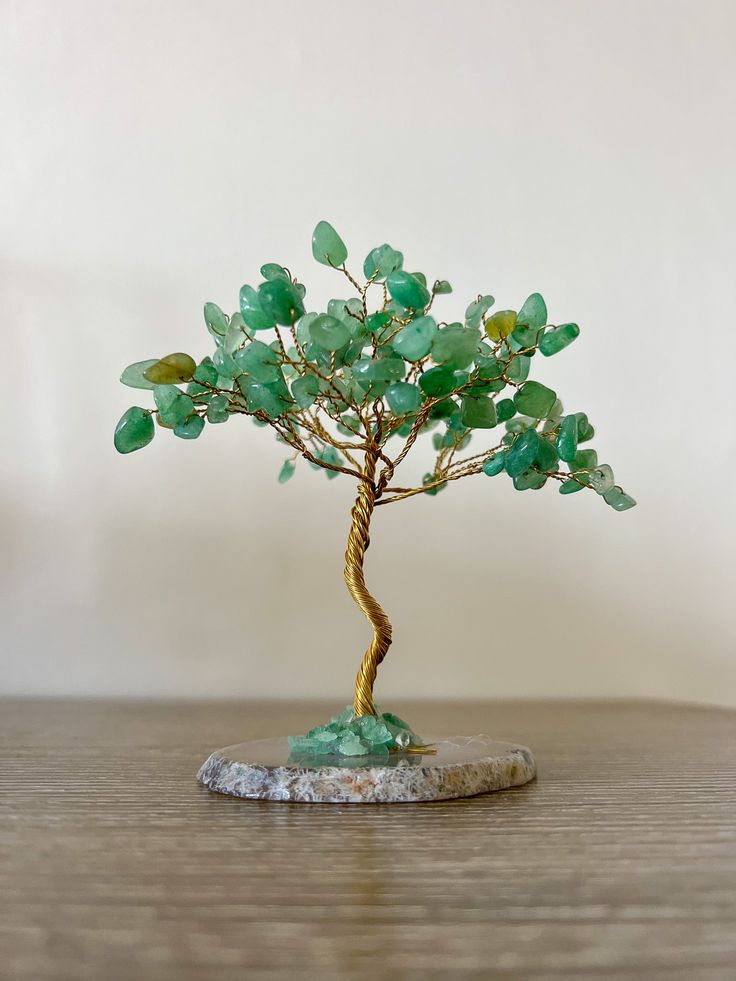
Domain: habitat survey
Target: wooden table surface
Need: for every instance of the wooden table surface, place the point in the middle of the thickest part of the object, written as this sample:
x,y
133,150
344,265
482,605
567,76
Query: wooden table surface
x,y
618,862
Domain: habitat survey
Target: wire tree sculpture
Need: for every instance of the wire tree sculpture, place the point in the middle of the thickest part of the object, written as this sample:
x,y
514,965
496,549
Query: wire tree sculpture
x,y
351,389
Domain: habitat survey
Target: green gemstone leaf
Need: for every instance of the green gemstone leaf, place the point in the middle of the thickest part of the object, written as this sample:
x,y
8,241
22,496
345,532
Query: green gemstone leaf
x,y
327,246
500,324
305,390
520,423
533,312
235,336
522,453
172,404
272,270
375,322
281,301
403,398
134,377
274,400
475,311
529,480
259,361
438,381
194,388
558,338
554,416
518,368
584,460
414,341
370,370
481,387
134,430
567,438
224,364
171,370
287,471
505,410
571,486
585,430
456,346
302,328
217,409
478,413
547,458
382,261
601,479
329,333
441,286
534,399
495,464
444,410
409,291
205,372
618,500
215,319
252,312
489,367
525,337
190,428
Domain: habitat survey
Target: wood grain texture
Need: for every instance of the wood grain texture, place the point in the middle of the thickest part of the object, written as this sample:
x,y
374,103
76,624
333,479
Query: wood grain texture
x,y
619,862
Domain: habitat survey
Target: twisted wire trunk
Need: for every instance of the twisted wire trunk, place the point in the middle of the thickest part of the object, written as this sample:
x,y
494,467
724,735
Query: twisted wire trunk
x,y
358,542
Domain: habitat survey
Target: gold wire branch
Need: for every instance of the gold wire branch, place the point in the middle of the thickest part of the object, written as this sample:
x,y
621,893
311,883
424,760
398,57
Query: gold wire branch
x,y
358,542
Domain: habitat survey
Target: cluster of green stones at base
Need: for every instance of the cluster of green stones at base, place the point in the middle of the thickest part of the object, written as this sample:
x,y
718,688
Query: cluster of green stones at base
x,y
351,735
389,373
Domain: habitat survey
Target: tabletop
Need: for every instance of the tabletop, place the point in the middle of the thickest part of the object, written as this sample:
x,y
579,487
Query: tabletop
x,y
618,862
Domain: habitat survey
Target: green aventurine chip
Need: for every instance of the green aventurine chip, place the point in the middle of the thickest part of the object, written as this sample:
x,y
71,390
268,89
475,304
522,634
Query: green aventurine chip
x,y
567,438
134,430
327,246
190,428
438,381
382,261
259,361
618,500
478,412
533,312
172,404
329,333
305,390
408,290
217,409
495,464
522,453
403,397
281,301
171,370
558,338
534,400
414,341
134,375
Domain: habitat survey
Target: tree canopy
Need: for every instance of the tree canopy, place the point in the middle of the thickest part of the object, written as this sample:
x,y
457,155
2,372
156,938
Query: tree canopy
x,y
369,374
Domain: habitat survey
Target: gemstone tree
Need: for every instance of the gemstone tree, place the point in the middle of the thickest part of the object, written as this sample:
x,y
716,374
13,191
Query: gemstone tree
x,y
351,388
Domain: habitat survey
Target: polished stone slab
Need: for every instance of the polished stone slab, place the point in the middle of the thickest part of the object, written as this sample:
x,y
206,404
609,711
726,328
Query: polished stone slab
x,y
461,766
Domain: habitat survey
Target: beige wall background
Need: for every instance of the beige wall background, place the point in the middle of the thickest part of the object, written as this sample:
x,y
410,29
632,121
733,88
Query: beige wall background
x,y
155,154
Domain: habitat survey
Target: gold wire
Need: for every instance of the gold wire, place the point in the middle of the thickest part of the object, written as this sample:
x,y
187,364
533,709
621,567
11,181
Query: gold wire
x,y
358,542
